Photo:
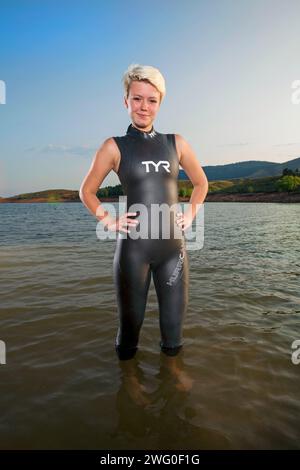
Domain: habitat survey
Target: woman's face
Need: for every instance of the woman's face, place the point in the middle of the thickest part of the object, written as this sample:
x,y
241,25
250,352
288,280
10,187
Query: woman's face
x,y
142,103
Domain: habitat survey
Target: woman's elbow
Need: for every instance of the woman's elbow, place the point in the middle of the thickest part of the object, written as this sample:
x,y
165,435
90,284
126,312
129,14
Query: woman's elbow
x,y
206,183
84,191
81,192
202,182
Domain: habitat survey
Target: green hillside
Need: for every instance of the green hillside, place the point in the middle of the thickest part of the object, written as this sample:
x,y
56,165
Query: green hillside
x,y
288,183
247,185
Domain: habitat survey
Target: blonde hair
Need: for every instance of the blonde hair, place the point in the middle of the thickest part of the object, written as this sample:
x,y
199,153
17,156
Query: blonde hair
x,y
146,73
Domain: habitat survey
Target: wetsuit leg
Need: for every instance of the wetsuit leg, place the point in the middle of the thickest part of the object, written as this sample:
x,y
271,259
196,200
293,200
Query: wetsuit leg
x,y
132,278
171,281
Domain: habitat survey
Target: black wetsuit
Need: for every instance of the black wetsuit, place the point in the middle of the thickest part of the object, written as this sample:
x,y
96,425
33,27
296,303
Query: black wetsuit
x,y
148,174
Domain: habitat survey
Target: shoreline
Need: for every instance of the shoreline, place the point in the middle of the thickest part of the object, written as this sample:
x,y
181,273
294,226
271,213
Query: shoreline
x,y
284,197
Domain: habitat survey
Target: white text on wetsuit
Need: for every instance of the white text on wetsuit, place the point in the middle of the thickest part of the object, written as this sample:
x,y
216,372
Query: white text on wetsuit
x,y
164,163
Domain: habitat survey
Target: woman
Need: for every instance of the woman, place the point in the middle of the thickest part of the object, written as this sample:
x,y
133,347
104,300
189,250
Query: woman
x,y
147,163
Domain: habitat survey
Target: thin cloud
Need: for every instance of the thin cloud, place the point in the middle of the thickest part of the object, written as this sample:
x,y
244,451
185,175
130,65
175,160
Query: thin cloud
x,y
237,144
286,144
78,150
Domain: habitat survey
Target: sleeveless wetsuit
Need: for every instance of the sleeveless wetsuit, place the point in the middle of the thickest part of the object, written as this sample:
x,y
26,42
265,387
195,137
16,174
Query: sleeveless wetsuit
x,y
148,173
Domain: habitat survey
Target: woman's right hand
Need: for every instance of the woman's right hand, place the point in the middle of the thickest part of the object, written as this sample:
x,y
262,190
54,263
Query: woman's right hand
x,y
119,224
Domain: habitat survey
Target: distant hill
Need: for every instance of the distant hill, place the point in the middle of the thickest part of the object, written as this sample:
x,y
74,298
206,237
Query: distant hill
x,y
49,195
234,182
269,184
249,169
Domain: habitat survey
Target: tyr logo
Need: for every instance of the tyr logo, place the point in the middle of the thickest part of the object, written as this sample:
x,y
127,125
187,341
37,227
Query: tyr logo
x,y
164,163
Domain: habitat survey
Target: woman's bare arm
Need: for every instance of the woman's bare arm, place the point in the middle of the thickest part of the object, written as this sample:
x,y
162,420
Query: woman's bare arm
x,y
189,162
104,161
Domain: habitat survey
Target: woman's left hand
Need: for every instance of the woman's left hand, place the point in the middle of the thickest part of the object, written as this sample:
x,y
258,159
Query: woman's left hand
x,y
184,221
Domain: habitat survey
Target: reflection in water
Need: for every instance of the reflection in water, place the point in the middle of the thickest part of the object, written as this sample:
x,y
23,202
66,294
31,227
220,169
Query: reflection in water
x,y
163,414
171,367
174,365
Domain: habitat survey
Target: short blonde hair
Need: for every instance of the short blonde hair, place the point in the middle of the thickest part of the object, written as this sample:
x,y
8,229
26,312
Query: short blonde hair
x,y
147,73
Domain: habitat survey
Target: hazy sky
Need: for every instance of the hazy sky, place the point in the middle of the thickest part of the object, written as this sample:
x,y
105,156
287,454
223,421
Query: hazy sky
x,y
228,64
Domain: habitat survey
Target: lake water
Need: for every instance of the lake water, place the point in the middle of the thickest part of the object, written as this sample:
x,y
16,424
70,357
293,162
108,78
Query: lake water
x,y
233,386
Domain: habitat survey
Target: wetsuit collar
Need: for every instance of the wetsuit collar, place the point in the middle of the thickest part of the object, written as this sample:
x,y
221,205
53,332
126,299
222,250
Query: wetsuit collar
x,y
131,130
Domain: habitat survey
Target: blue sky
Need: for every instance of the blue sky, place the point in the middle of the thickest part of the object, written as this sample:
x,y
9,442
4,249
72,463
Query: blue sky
x,y
228,66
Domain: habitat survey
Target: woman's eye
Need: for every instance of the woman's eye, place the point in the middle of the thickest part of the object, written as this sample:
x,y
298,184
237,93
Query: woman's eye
x,y
138,99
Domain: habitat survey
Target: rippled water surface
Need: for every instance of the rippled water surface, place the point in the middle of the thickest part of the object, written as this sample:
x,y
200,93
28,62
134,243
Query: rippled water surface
x,y
233,386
